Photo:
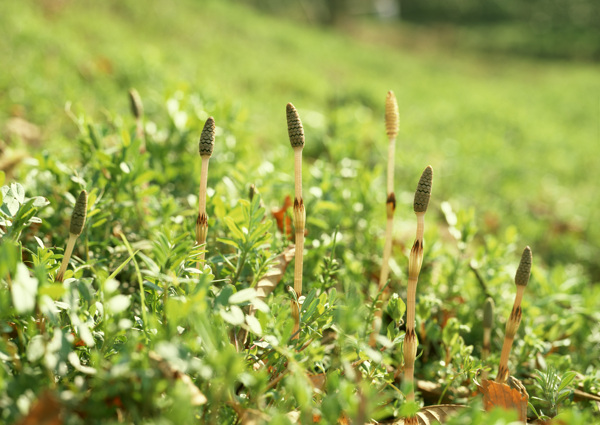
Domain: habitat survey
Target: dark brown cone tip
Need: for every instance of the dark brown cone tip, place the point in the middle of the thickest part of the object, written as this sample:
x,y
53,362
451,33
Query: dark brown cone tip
x,y
423,192
295,129
524,270
207,138
135,101
488,313
79,214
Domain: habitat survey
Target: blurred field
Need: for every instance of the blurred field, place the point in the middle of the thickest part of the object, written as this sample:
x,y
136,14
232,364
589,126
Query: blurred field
x,y
514,138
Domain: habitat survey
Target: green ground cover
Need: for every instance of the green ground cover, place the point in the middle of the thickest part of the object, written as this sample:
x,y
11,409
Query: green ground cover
x,y
513,143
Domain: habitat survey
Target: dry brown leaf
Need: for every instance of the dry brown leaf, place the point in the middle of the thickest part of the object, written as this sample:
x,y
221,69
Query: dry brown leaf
x,y
171,372
501,395
272,278
45,411
431,392
284,222
429,415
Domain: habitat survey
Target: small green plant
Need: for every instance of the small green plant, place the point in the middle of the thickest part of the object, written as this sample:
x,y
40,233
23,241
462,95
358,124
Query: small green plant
x,y
16,211
552,390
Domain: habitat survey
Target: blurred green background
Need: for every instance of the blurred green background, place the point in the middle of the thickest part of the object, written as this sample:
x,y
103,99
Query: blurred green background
x,y
502,98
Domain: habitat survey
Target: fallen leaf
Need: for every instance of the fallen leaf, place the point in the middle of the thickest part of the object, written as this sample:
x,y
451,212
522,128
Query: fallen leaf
x,y
269,282
170,371
502,395
284,222
429,415
272,278
45,411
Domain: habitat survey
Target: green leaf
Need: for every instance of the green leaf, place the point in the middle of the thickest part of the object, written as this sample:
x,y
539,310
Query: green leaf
x,y
18,192
243,296
118,303
396,307
36,348
566,380
229,242
24,290
10,204
118,269
54,291
235,315
233,228
40,201
254,325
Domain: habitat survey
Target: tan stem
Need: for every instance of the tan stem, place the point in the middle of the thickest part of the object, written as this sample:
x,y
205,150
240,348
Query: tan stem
x,y
387,247
299,223
202,221
203,184
66,257
410,340
391,161
298,172
420,226
512,326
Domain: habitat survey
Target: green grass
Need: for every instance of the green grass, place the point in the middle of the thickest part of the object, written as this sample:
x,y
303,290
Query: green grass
x,y
513,143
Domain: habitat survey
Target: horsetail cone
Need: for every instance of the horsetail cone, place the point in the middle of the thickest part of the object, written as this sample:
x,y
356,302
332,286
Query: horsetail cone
x,y
295,129
524,269
423,192
392,117
79,214
135,102
207,138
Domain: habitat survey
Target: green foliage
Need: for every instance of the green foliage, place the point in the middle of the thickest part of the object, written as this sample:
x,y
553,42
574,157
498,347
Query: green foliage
x,y
553,390
135,322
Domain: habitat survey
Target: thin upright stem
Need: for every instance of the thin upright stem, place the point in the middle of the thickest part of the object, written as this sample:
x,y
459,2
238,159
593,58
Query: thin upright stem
x,y
296,135
410,340
202,220
298,172
66,257
203,185
512,326
391,124
299,223
415,260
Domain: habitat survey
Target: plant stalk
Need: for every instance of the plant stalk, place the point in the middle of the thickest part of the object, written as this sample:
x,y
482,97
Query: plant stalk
x,y
391,124
512,325
75,229
205,148
296,135
66,257
415,260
